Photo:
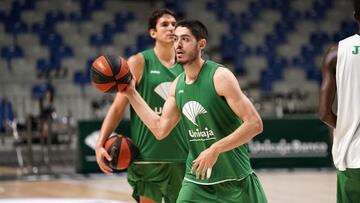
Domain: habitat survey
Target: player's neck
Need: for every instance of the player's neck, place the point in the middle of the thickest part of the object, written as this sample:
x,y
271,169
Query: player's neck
x,y
165,53
192,70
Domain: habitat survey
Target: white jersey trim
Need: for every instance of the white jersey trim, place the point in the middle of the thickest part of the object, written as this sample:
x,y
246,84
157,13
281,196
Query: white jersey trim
x,y
152,162
217,182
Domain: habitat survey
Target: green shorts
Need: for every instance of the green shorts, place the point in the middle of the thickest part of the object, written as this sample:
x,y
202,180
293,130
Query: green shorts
x,y
247,190
156,181
348,186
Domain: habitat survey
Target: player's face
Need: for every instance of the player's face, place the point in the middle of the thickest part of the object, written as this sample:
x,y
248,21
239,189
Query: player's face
x,y
186,46
165,27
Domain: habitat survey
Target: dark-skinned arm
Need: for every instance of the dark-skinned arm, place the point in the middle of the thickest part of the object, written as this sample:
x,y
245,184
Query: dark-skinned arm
x,y
328,87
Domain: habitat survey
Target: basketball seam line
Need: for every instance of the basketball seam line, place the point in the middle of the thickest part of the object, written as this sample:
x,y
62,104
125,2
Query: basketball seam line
x,y
109,61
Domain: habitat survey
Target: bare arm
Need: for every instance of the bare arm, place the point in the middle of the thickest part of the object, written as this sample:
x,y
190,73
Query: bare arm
x,y
115,114
328,87
160,126
227,86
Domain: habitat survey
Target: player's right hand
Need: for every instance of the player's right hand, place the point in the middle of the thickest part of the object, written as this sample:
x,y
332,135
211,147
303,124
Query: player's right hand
x,y
130,88
101,158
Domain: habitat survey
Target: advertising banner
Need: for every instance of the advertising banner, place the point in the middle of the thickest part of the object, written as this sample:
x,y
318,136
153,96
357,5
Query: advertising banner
x,y
292,143
284,143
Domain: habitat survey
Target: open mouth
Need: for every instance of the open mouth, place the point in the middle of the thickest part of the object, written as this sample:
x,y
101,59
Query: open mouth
x,y
179,52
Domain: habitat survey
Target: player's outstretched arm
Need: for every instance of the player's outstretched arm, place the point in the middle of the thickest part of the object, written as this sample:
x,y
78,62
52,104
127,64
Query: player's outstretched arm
x,y
227,86
115,115
328,87
160,126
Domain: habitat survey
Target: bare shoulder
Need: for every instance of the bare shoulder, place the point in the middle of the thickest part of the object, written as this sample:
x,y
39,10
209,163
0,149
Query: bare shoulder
x,y
222,73
225,81
136,64
332,51
330,58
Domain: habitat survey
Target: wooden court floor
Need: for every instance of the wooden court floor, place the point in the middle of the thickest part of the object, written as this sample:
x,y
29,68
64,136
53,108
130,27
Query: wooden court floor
x,y
280,187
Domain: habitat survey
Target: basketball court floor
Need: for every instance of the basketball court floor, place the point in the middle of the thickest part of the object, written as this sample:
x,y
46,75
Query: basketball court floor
x,y
281,186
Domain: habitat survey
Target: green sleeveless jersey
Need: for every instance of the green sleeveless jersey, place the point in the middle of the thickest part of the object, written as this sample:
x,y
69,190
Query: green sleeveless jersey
x,y
208,118
154,88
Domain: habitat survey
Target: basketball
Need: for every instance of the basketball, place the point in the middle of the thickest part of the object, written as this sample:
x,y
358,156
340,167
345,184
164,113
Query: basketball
x,y
110,73
122,151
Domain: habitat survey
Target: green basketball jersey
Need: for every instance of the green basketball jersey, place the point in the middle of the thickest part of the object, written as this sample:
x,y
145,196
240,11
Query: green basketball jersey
x,y
208,118
154,87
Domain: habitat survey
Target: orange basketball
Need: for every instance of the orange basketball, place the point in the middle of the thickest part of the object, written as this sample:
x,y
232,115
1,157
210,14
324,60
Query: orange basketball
x,y
122,151
110,73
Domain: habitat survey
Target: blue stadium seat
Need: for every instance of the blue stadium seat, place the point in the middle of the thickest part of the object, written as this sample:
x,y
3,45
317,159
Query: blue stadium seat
x,y
229,43
318,39
39,91
314,74
11,52
79,16
24,5
281,28
226,16
303,63
81,78
266,80
16,28
43,66
270,3
176,5
130,50
109,29
98,40
124,17
276,66
89,64
239,64
51,39
254,9
62,51
91,5
2,16
264,50
215,5
308,52
2,119
144,41
54,17
41,28
6,113
348,28
247,17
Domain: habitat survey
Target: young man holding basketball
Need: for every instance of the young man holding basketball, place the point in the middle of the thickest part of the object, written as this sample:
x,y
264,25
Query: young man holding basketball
x,y
160,169
341,71
219,120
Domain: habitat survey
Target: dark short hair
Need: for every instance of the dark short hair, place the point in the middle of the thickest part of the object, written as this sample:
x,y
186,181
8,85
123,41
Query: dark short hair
x,y
197,28
357,7
155,15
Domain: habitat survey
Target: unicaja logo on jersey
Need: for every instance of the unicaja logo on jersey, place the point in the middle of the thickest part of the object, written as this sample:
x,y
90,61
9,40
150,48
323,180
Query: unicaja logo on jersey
x,y
163,90
192,109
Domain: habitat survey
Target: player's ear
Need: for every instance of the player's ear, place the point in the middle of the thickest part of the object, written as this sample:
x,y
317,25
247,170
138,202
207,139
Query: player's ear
x,y
202,43
152,33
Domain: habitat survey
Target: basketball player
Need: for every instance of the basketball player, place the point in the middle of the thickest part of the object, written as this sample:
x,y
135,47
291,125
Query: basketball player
x,y
341,71
219,120
161,167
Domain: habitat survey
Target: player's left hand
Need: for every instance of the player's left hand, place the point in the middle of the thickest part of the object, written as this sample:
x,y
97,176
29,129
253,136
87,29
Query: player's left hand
x,y
204,163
